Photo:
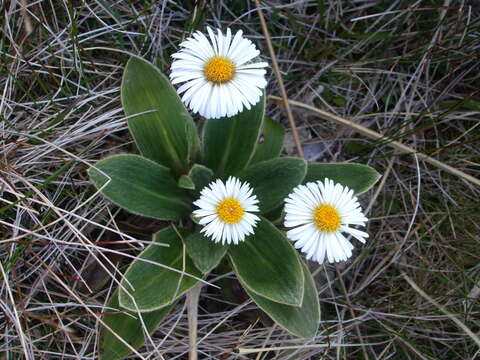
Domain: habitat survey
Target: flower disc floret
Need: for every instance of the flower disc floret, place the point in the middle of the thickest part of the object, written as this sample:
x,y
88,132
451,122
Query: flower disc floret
x,y
326,218
219,70
226,211
230,211
319,214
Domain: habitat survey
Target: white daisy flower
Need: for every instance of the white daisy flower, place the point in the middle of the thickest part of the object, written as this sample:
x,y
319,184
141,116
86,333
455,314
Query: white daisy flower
x,y
219,78
320,213
226,210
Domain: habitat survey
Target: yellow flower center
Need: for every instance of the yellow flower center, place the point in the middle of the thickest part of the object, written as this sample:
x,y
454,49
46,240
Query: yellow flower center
x,y
219,70
326,218
230,211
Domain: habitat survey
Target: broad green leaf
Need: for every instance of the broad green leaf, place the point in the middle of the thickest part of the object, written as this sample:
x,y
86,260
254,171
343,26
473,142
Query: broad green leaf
x,y
268,265
154,282
128,326
229,143
141,186
272,138
205,253
300,321
276,215
160,124
358,177
201,176
186,183
274,179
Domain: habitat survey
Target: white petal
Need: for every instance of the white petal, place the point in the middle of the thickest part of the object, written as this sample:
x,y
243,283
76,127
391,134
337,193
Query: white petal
x,y
357,234
234,45
186,76
248,55
240,50
258,65
228,40
188,85
322,248
204,109
213,40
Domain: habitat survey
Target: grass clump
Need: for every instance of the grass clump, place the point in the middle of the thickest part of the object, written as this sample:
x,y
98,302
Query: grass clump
x,y
408,71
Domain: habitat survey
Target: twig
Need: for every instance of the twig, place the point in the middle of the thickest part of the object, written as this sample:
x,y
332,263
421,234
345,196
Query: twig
x,y
352,312
460,324
246,351
267,339
375,135
380,185
192,309
27,21
17,321
278,76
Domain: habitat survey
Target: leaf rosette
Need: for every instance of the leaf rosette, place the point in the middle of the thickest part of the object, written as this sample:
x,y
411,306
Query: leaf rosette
x,y
175,167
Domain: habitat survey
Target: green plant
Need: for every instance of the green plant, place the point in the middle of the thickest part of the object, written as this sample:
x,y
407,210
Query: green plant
x,y
162,183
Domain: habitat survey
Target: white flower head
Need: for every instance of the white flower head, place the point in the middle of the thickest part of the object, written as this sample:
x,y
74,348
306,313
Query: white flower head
x,y
225,210
319,213
218,75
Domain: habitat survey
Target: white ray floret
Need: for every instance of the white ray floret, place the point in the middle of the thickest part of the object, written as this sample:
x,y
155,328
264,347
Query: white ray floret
x,y
225,211
320,213
219,76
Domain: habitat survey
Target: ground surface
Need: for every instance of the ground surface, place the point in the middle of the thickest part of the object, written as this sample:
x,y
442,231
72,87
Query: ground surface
x,y
406,69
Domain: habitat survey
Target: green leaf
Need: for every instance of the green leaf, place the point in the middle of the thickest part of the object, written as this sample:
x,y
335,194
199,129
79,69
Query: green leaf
x,y
358,177
128,326
186,183
153,285
160,124
229,143
300,321
141,186
193,141
276,215
268,265
201,176
273,180
205,253
273,135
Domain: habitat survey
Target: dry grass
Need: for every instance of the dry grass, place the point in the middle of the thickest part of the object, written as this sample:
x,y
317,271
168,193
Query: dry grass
x,y
408,70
